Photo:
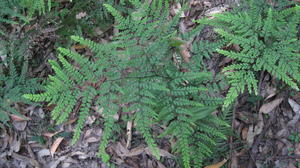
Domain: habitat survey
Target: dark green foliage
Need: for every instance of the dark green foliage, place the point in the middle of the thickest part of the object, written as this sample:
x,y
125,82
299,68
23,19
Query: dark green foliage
x,y
267,41
14,81
204,49
137,70
34,6
79,85
10,14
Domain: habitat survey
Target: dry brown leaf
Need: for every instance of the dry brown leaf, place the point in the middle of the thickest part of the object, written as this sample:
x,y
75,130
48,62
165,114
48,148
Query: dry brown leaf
x,y
31,161
81,15
20,125
79,47
15,144
176,9
295,106
71,121
160,165
162,153
19,118
90,120
49,134
134,152
268,107
216,10
253,131
55,145
184,51
43,152
234,161
217,165
120,149
55,163
92,139
244,133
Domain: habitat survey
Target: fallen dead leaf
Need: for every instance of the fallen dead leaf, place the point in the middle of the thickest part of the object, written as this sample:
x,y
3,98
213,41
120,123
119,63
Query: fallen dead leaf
x,y
50,135
216,10
92,139
15,144
31,161
20,125
81,15
185,52
217,165
56,162
297,149
291,165
295,106
43,152
19,118
120,149
244,133
207,4
80,155
268,107
55,145
255,130
162,153
176,9
79,47
234,161
90,120
134,152
160,165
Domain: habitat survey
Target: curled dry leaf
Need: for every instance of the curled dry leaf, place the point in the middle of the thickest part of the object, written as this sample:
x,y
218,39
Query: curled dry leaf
x,y
55,145
268,107
217,165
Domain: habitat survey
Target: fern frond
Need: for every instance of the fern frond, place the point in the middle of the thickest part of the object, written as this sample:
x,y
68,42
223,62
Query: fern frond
x,y
266,37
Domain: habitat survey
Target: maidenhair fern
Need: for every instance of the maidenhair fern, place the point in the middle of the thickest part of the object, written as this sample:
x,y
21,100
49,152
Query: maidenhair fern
x,y
266,40
136,70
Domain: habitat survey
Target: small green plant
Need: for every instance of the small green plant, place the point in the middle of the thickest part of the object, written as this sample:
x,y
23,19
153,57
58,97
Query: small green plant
x,y
14,81
10,14
266,40
295,137
137,70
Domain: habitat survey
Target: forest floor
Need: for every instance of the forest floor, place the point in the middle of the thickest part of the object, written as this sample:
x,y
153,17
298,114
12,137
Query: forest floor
x,y
266,128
